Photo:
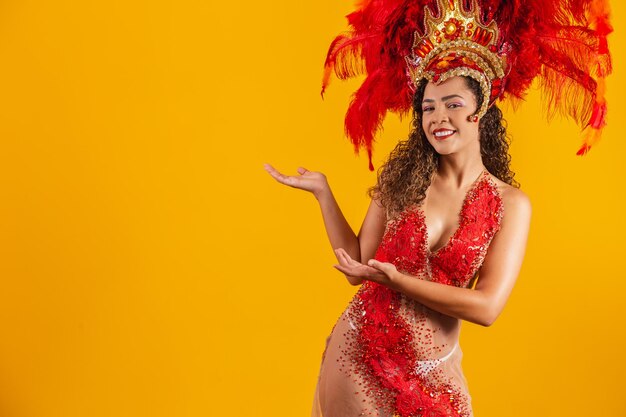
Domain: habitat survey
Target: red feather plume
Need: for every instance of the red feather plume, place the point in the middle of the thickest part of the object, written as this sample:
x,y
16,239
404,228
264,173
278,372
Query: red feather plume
x,y
563,42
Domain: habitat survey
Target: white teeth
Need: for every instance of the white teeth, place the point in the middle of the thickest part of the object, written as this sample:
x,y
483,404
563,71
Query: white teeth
x,y
444,133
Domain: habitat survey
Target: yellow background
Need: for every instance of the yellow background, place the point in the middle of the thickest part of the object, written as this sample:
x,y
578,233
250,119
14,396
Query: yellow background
x,y
151,267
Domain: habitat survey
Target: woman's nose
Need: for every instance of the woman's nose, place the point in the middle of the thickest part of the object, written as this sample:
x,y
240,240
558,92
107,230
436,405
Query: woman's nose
x,y
439,116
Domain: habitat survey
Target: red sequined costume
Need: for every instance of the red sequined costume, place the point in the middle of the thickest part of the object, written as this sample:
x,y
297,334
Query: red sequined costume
x,y
388,355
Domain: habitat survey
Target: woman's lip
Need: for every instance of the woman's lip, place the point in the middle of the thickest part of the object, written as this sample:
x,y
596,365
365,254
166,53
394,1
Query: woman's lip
x,y
443,137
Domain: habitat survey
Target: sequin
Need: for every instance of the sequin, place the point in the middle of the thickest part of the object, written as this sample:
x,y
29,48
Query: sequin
x,y
395,356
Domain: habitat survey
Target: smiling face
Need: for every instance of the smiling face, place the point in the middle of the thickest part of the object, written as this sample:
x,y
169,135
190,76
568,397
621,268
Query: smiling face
x,y
445,109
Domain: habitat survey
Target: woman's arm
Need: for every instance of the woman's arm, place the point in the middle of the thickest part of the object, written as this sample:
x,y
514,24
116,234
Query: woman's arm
x,y
340,233
497,274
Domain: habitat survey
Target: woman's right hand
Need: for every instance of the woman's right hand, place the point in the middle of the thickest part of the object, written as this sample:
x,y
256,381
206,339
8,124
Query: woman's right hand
x,y
314,182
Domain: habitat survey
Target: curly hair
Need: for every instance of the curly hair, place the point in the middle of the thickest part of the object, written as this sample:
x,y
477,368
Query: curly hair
x,y
404,178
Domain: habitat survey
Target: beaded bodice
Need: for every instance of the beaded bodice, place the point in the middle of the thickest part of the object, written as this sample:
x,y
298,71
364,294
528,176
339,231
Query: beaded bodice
x,y
405,242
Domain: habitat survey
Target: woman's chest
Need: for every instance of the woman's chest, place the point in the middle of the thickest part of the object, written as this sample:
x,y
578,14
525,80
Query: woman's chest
x,y
406,242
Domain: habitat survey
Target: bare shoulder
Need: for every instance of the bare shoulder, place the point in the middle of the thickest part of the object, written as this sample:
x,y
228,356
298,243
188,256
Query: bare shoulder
x,y
513,199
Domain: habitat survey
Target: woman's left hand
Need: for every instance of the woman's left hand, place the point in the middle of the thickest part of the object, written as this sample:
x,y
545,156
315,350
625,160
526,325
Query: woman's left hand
x,y
380,272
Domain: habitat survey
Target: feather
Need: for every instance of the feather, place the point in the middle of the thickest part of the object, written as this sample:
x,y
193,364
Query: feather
x,y
560,42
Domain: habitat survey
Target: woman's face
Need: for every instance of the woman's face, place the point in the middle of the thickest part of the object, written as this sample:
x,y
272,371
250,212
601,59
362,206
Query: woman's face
x,y
445,109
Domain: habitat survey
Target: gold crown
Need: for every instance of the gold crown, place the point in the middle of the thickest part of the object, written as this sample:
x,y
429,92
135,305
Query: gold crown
x,y
457,43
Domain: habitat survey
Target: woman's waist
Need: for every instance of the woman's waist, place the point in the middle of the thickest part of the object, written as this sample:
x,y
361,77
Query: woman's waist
x,y
416,313
415,316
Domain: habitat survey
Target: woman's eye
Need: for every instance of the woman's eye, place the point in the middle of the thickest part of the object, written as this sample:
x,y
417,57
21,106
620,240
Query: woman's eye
x,y
427,109
454,105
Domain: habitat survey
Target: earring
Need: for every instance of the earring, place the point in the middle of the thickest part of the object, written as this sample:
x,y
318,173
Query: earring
x,y
473,118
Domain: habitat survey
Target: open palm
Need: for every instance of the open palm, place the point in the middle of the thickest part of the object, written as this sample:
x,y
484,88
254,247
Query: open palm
x,y
381,273
312,181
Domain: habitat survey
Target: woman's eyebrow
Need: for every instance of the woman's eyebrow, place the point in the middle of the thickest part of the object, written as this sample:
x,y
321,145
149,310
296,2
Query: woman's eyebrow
x,y
445,98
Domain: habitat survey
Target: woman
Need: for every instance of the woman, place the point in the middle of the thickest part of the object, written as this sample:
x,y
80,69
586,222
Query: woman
x,y
445,233
438,218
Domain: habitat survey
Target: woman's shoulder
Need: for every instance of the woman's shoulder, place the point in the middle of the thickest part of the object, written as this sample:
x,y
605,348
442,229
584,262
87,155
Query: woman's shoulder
x,y
512,197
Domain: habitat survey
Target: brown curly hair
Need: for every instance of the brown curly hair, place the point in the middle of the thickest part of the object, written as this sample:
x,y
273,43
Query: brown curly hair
x,y
404,178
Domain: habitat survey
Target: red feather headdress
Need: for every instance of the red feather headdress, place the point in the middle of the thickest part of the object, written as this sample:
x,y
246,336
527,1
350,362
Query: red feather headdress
x,y
504,44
